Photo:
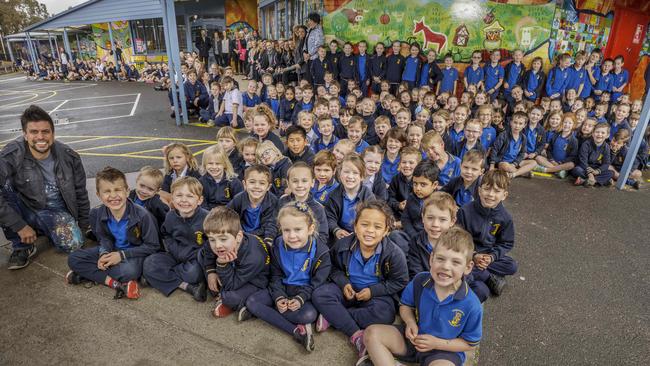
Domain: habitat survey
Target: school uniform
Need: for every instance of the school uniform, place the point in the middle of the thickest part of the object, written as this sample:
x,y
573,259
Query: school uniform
x,y
562,149
454,137
534,83
605,84
389,168
458,316
450,170
210,113
472,75
384,273
535,139
449,77
319,144
286,110
172,176
154,205
376,184
456,188
596,157
411,217
361,146
508,150
247,274
363,71
317,209
377,68
251,101
295,274
260,221
347,71
411,72
193,91
274,104
299,107
430,75
318,68
419,252
577,78
460,148
340,209
134,236
399,190
237,161
394,70
221,192
275,139
182,238
492,76
513,74
307,156
614,127
557,81
322,194
333,58
619,79
588,86
494,233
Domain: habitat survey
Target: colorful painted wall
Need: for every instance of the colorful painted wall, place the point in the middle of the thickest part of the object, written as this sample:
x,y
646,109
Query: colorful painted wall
x,y
241,14
121,35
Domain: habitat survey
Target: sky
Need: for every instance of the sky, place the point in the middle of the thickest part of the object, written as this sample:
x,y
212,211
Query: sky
x,y
57,6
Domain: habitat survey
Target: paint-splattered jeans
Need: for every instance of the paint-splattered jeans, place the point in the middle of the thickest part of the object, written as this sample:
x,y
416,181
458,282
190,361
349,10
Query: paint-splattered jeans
x,y
58,225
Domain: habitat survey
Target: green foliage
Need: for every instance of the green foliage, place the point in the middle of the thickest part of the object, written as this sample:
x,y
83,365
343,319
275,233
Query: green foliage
x,y
15,15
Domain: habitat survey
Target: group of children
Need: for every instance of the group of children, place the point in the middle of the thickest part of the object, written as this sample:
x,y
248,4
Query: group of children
x,y
319,208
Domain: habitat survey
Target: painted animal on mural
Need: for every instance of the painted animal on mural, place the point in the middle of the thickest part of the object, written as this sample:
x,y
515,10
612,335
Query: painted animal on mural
x,y
430,37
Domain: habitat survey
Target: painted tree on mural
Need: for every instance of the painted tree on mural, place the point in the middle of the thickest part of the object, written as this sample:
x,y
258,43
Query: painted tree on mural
x,y
447,26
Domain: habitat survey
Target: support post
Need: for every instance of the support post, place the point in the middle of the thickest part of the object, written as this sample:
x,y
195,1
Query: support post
x,y
30,47
188,33
76,36
637,140
49,38
287,31
11,52
170,64
110,36
66,44
173,40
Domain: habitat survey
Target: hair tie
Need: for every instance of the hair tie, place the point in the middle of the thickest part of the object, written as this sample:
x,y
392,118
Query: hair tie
x,y
302,207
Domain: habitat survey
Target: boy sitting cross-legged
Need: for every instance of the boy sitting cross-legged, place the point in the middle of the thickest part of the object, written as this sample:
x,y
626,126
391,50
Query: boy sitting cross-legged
x,y
127,233
442,316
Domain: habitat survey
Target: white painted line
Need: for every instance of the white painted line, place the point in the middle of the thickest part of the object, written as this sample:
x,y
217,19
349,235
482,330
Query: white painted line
x,y
70,100
58,106
18,129
12,98
135,104
9,115
16,78
94,106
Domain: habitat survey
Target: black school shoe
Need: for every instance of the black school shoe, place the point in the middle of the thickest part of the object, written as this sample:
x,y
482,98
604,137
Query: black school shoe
x,y
20,258
303,334
496,284
198,292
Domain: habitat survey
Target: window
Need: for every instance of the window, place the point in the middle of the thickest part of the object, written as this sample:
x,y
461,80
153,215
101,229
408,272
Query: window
x,y
148,36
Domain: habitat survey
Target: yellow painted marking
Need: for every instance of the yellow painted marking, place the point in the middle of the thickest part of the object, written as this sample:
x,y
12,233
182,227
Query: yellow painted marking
x,y
84,140
115,145
123,156
160,148
30,100
540,174
144,138
200,152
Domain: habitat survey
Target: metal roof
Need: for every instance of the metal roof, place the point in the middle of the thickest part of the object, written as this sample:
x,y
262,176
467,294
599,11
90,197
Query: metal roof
x,y
101,11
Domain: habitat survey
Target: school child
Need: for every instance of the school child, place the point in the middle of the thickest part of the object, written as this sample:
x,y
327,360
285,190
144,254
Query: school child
x,y
535,134
356,130
553,124
464,188
494,74
126,233
585,132
471,134
425,182
510,148
263,124
621,79
449,77
319,66
402,120
382,126
179,162
324,170
491,226
209,114
287,105
618,150
401,186
414,134
182,236
513,73
448,164
227,141
455,321
439,121
347,68
363,67
343,200
461,114
220,181
534,79
473,74
634,121
271,157
392,143
232,108
593,74
394,67
592,165
377,68
297,145
251,99
333,55
256,205
196,95
619,120
605,81
327,140
578,74
558,77
235,263
412,66
372,158
306,104
272,99
430,74
368,271
247,148
145,194
300,263
569,100
342,148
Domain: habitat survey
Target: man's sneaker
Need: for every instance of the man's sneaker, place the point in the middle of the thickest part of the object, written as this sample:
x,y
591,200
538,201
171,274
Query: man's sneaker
x,y
364,361
304,335
198,292
562,174
20,258
221,310
129,289
357,342
321,324
243,314
539,169
579,181
73,278
496,284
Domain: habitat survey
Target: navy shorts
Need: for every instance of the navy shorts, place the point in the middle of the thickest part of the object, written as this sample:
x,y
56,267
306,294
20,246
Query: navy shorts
x,y
425,358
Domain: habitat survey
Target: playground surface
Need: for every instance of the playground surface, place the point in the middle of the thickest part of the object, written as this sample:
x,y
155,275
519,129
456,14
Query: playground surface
x,y
580,297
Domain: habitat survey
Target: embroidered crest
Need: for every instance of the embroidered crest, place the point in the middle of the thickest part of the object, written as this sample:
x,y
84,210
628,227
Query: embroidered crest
x,y
226,192
458,316
199,237
136,232
495,229
278,182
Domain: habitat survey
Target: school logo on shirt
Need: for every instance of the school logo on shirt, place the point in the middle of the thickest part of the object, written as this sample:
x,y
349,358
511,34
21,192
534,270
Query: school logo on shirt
x,y
398,61
323,196
136,232
495,229
199,237
351,63
458,316
278,182
292,105
305,265
226,192
600,158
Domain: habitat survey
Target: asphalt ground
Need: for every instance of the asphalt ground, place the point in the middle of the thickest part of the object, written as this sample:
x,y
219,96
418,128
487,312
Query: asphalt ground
x,y
580,297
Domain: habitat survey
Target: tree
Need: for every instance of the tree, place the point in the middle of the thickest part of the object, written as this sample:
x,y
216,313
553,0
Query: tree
x,y
15,15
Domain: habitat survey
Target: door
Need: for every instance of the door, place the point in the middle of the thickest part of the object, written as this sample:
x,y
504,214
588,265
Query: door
x,y
627,35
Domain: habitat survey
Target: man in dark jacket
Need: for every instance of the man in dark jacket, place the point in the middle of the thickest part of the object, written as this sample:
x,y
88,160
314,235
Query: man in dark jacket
x,y
42,190
203,43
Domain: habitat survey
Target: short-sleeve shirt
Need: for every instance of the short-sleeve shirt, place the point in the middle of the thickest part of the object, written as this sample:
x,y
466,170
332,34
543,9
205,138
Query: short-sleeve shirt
x,y
233,97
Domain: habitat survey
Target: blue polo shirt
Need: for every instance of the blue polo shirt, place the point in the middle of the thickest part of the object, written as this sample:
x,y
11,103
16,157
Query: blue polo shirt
x,y
559,147
557,81
463,196
614,127
473,76
362,66
349,212
531,85
605,83
296,263
424,75
449,76
488,136
619,79
456,136
251,219
321,194
118,230
458,316
512,76
364,273
531,139
492,75
410,68
514,146
389,169
251,101
361,147
576,78
450,170
588,86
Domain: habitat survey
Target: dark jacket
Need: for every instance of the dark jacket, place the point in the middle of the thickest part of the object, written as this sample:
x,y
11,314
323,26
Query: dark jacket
x,y
203,46
268,229
183,237
418,256
520,77
379,188
318,68
141,232
433,75
334,207
394,68
399,190
319,270
492,229
392,266
377,67
155,206
167,181
411,218
319,214
596,157
456,186
286,110
307,156
501,145
19,168
236,160
251,266
279,173
219,193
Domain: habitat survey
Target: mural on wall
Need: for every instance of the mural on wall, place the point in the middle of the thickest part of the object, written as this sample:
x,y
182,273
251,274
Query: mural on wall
x,y
121,36
241,14
444,25
577,27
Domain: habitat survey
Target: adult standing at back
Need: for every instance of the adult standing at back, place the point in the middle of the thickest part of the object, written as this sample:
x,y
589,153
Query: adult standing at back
x,y
203,43
315,37
42,190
